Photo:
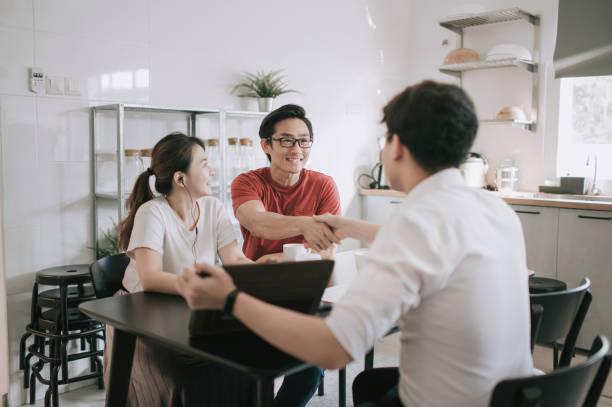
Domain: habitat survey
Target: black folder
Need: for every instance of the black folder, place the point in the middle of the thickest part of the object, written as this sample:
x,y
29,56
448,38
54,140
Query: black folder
x,y
294,285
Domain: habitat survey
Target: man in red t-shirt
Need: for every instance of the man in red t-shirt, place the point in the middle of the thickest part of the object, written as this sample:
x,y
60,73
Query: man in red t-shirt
x,y
275,204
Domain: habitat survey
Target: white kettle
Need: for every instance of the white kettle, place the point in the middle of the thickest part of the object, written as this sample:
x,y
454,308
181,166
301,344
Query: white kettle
x,y
474,170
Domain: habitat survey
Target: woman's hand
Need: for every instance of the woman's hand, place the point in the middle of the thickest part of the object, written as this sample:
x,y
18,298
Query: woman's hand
x,y
206,287
271,258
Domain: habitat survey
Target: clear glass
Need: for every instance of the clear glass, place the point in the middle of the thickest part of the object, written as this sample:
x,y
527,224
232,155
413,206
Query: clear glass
x,y
506,176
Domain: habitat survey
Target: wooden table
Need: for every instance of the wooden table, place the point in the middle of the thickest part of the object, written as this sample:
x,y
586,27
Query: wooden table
x,y
164,320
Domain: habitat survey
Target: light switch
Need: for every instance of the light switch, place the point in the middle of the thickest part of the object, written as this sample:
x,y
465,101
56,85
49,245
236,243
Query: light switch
x,y
72,86
55,85
37,80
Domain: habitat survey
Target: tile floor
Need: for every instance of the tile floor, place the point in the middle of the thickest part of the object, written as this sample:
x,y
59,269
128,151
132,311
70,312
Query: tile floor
x,y
385,355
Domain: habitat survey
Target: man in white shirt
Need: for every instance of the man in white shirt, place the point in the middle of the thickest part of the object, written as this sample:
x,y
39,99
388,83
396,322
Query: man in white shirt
x,y
449,265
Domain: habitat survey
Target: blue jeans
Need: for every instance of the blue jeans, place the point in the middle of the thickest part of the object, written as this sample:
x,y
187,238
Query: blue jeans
x,y
298,388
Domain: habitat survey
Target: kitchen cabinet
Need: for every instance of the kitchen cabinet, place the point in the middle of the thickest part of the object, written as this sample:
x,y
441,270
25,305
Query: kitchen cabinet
x,y
540,228
585,250
378,208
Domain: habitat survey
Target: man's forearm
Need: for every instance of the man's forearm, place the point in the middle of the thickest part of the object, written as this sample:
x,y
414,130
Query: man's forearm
x,y
361,229
273,226
305,337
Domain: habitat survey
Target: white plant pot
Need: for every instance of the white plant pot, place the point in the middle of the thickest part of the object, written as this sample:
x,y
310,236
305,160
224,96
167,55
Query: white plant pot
x,y
265,104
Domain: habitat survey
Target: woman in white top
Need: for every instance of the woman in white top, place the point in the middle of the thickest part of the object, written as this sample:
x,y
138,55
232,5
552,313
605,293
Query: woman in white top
x,y
163,235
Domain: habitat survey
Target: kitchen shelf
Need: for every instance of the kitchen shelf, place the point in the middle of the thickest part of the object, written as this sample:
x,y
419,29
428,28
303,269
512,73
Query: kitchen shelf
x,y
457,24
526,125
457,69
117,157
490,17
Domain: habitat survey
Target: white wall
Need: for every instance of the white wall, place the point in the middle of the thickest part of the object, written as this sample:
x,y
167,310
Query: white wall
x,y
347,57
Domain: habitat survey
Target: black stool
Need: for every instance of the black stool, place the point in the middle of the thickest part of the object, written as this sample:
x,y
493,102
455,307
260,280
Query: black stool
x,y
55,320
542,285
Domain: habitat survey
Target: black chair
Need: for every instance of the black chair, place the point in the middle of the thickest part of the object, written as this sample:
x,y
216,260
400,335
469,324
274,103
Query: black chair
x,y
579,385
564,313
107,274
536,321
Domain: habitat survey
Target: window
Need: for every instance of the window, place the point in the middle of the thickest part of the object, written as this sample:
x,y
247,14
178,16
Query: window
x,y
585,126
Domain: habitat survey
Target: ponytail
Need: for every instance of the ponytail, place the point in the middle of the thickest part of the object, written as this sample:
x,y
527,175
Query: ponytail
x,y
141,193
171,154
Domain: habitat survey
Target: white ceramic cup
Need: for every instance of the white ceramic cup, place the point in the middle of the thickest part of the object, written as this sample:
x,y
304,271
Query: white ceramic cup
x,y
291,251
308,256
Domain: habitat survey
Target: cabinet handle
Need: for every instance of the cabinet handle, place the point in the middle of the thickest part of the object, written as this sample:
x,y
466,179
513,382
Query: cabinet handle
x,y
528,212
395,202
595,217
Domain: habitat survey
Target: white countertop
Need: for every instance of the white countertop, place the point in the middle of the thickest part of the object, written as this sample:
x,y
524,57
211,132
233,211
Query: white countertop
x,y
596,202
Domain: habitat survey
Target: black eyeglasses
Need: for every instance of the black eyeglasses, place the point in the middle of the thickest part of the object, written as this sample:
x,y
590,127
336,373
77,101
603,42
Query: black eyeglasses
x,y
289,142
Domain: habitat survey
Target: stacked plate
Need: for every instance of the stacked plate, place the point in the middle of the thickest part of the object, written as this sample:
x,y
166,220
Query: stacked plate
x,y
508,51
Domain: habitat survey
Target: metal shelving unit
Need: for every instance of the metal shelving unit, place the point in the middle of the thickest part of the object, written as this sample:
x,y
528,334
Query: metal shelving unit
x,y
119,196
459,24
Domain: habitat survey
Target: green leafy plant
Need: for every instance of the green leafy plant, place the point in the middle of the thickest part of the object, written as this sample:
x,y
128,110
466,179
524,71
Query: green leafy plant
x,y
262,85
109,244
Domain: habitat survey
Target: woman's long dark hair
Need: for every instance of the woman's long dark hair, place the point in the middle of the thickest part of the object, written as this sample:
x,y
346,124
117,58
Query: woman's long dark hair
x,y
171,154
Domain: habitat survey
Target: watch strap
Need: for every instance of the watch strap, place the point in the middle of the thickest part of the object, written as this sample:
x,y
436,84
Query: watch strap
x,y
228,308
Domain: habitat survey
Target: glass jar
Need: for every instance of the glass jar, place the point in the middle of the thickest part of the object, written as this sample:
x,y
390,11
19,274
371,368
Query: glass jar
x,y
245,155
145,157
214,162
132,167
506,176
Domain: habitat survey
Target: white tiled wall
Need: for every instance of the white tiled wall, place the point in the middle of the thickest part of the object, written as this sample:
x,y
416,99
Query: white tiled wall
x,y
347,58
344,57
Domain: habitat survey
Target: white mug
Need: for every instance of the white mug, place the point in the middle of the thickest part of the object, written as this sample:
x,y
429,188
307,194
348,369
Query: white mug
x,y
291,251
308,256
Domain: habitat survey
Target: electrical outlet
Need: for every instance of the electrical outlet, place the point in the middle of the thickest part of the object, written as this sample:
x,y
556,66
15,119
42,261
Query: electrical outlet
x,y
37,80
55,85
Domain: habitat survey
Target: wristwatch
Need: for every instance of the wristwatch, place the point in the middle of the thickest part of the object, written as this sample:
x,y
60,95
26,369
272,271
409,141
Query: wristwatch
x,y
228,308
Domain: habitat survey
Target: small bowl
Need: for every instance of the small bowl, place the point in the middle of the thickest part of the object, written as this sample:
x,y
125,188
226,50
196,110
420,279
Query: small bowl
x,y
511,113
461,55
503,51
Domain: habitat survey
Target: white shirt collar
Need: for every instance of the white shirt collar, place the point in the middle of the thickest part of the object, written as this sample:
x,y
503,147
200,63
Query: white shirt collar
x,y
444,178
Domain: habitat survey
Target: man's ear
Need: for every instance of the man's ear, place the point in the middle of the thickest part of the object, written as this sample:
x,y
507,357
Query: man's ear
x,y
266,146
397,148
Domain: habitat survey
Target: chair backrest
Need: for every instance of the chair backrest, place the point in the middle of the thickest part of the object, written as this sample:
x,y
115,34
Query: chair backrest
x,y
536,320
566,387
564,313
107,274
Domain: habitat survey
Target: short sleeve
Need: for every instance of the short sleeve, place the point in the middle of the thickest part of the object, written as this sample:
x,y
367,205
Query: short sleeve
x,y
148,230
330,198
223,227
245,188
397,275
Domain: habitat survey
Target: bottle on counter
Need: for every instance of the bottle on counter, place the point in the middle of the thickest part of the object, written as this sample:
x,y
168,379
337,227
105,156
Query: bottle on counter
x,y
132,167
214,162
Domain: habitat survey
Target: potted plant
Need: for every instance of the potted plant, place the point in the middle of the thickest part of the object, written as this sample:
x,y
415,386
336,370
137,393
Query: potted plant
x,y
264,86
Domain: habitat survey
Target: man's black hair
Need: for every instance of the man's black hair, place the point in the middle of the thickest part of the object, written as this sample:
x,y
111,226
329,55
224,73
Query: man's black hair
x,y
267,127
435,121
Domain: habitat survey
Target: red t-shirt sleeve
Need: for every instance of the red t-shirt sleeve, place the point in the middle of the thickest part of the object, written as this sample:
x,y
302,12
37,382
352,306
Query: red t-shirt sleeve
x,y
330,198
245,187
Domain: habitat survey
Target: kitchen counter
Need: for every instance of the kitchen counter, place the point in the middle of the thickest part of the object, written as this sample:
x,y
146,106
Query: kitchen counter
x,y
596,203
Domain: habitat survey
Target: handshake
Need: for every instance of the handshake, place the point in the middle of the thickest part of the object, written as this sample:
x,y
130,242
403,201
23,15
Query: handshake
x,y
322,231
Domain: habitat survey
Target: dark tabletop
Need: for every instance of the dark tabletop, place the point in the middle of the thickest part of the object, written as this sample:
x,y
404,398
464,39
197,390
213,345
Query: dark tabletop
x,y
164,319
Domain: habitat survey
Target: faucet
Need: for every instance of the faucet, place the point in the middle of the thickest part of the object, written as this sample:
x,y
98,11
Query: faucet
x,y
593,190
